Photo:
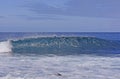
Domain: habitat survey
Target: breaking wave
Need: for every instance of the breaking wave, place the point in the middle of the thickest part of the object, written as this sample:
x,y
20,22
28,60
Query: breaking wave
x,y
5,46
60,45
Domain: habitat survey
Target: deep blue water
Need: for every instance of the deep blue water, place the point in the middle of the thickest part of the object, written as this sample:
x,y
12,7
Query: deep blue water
x,y
104,35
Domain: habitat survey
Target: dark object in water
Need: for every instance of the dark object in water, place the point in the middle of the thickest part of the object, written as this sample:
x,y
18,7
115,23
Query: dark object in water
x,y
58,74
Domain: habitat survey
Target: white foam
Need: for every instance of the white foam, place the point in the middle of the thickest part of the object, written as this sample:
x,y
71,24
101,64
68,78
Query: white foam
x,y
70,67
5,46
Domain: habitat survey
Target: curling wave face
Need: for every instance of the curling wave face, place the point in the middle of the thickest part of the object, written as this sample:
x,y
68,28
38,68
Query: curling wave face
x,y
61,45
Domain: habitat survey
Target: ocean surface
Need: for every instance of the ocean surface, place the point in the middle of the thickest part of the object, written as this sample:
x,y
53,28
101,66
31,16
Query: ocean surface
x,y
59,55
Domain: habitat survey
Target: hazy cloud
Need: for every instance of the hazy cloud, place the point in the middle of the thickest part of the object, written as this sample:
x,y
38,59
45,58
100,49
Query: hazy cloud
x,y
90,8
1,16
60,15
40,17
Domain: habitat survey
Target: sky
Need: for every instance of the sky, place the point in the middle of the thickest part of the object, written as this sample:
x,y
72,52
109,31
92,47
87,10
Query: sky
x,y
59,15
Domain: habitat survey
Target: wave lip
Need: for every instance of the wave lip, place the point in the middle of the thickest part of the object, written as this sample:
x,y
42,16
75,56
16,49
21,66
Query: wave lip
x,y
5,46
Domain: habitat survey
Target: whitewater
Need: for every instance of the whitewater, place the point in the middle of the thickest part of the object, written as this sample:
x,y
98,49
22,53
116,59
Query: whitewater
x,y
59,55
5,47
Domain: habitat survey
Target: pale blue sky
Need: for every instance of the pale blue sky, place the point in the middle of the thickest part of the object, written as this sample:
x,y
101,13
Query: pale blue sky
x,y
60,15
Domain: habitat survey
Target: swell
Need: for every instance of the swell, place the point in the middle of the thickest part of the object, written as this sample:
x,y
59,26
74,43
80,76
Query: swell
x,y
65,45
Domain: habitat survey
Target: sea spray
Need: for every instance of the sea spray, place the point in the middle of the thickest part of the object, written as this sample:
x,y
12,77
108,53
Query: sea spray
x,y
5,46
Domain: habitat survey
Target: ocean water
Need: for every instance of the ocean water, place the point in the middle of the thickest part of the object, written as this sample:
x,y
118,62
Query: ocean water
x,y
55,55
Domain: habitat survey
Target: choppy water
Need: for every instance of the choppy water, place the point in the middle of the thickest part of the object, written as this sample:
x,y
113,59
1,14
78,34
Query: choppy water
x,y
59,56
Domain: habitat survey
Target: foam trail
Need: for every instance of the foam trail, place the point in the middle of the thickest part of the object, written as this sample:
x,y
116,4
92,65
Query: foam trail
x,y
5,46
